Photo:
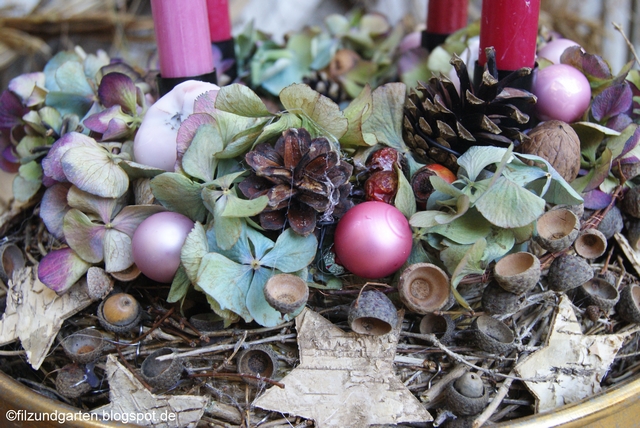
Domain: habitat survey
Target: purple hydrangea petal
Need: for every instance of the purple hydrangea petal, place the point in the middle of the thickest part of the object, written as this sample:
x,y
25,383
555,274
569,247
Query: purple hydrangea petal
x,y
53,208
51,164
60,269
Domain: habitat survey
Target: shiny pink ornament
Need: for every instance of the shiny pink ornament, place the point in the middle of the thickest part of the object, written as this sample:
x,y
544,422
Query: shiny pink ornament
x,y
554,49
373,240
157,243
563,93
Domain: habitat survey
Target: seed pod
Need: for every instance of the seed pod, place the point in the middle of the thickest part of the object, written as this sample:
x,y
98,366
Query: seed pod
x,y
162,374
517,272
120,313
83,346
467,395
260,361
286,293
568,272
556,230
372,313
590,244
492,335
629,304
424,288
71,381
598,292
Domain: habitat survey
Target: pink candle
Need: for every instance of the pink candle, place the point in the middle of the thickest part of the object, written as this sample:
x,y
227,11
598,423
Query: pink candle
x,y
219,22
447,16
182,35
511,27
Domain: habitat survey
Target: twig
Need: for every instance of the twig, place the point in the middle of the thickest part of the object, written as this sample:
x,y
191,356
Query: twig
x,y
627,41
155,325
495,402
437,388
238,375
132,370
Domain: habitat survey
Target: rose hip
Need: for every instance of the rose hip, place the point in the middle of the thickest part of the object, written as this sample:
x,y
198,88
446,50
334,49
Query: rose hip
x,y
381,186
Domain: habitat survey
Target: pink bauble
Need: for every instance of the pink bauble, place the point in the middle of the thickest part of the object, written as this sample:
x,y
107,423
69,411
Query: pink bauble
x,y
373,239
563,93
555,48
157,243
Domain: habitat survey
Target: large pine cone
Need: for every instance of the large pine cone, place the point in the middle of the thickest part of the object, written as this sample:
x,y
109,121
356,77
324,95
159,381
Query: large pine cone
x,y
440,125
301,177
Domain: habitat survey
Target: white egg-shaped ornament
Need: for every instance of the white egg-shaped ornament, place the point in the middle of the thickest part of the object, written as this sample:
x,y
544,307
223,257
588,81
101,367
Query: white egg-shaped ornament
x,y
553,50
373,240
563,93
157,243
155,142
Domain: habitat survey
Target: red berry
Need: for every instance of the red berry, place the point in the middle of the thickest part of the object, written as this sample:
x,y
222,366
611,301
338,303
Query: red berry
x,y
381,186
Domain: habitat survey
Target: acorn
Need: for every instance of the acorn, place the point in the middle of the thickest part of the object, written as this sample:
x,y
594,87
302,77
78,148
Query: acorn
x,y
286,293
598,292
259,361
99,283
611,223
424,288
372,313
162,374
119,313
11,259
629,304
442,326
556,230
84,346
71,381
466,395
568,272
492,335
497,301
517,273
590,243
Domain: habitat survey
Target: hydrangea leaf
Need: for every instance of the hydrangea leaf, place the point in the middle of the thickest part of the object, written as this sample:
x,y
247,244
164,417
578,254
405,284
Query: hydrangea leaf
x,y
291,252
51,164
94,170
179,286
60,269
317,109
241,100
622,144
227,229
405,200
387,115
67,103
199,161
71,79
275,129
188,129
257,305
228,316
84,236
28,181
193,250
260,245
357,112
471,263
238,144
478,158
227,282
236,207
499,243
596,175
552,187
136,170
53,207
179,194
117,249
52,66
518,206
465,229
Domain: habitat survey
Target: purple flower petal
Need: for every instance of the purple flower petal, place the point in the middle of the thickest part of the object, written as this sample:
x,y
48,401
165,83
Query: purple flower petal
x,y
11,110
60,269
51,164
619,122
118,89
24,84
612,101
99,122
53,208
116,130
596,200
85,237
206,102
128,220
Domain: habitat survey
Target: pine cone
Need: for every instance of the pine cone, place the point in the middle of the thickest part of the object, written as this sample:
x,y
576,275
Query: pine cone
x,y
301,177
440,125
323,83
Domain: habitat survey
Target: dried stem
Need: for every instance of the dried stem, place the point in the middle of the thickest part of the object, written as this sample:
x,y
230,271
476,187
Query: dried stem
x,y
495,402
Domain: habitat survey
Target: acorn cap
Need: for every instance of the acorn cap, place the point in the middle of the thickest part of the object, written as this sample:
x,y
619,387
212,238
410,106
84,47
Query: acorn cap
x,y
71,381
517,273
466,395
11,259
84,346
286,293
209,321
442,326
372,313
119,313
127,275
599,292
568,272
590,244
161,374
497,301
260,361
631,202
556,230
629,304
492,335
424,288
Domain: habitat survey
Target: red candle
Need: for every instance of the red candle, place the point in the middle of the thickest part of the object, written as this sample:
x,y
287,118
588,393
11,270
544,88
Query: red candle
x,y
219,22
182,35
447,16
511,27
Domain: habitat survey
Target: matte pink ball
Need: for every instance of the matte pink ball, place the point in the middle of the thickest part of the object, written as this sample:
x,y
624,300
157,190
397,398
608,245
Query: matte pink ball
x,y
373,239
157,243
563,93
555,48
